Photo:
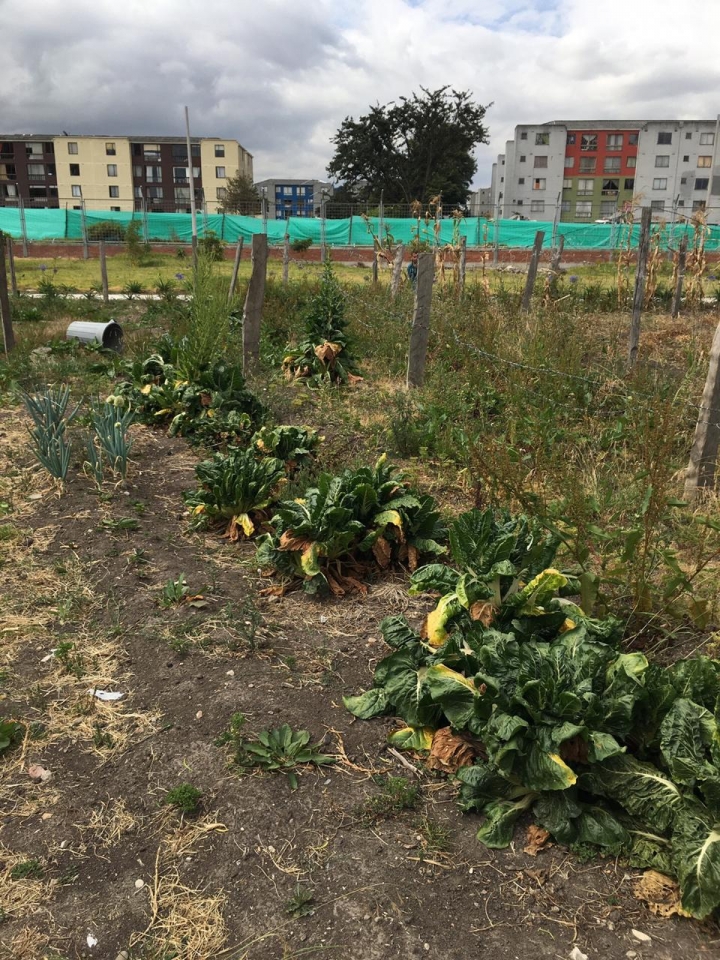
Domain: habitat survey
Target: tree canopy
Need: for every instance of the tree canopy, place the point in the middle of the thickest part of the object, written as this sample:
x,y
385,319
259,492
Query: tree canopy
x,y
241,195
413,149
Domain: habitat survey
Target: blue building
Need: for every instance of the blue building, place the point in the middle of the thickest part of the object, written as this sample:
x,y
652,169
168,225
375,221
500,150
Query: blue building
x,y
294,198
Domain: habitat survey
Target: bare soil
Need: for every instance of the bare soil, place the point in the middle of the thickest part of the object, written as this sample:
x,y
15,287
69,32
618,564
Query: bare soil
x,y
409,883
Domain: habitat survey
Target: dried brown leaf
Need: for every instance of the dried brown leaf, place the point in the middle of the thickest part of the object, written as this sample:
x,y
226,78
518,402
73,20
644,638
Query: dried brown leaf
x,y
449,752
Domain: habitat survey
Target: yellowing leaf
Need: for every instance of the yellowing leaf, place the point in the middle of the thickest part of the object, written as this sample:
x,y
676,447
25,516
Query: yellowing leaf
x,y
568,624
569,775
200,508
146,389
246,523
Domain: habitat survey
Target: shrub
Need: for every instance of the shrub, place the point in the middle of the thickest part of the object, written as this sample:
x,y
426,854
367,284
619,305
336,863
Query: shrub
x,y
300,245
107,230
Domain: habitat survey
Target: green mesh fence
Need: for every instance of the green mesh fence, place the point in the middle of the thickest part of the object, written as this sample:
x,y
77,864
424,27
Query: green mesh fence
x,y
353,231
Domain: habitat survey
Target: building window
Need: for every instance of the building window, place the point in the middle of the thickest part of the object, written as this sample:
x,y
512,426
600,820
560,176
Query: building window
x,y
567,183
588,141
155,193
612,165
565,206
72,147
502,179
704,161
153,174
686,158
110,150
681,203
539,183
657,204
663,161
219,149
182,193
585,187
614,141
607,208
698,205
37,193
114,209
631,161
195,149
180,175
137,172
541,162
523,135
569,163
537,206
36,171
683,181
629,183
664,137
570,139
587,164
76,190
74,169
114,192
522,159
519,203
112,169
521,180
632,139
34,149
660,183
219,173
610,187
702,183
707,139
688,135
138,193
221,193
542,139
151,151
583,209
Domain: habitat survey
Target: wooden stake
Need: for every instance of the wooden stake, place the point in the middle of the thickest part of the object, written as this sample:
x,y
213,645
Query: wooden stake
x,y
639,295
11,264
286,260
254,300
421,320
236,267
682,256
375,267
532,271
8,334
557,255
462,267
700,472
103,272
397,270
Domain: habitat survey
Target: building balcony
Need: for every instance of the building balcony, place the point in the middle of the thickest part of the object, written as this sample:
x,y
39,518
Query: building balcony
x,y
609,193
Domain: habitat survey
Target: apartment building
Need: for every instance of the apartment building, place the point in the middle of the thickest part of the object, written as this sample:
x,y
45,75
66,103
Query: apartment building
x,y
118,173
294,198
584,171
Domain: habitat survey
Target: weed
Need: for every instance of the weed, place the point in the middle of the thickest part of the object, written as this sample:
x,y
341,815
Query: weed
x,y
73,663
27,870
138,558
174,592
101,737
121,523
71,874
132,289
396,794
300,903
184,798
435,836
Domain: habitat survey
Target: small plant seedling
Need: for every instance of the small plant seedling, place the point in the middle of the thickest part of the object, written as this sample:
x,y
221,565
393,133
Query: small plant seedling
x,y
435,836
274,750
174,592
101,738
300,903
397,794
72,663
122,523
11,734
27,870
185,798
138,558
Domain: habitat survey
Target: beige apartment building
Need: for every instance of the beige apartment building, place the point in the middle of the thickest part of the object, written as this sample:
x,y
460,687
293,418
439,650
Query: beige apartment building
x,y
118,173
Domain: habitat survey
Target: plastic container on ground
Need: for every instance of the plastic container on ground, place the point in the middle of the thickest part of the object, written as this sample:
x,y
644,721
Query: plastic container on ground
x,y
109,334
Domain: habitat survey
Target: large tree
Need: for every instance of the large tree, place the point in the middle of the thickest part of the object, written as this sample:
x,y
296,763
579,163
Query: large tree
x,y
241,195
413,149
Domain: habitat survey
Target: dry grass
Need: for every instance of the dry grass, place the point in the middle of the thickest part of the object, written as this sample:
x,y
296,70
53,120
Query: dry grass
x,y
110,822
27,944
183,840
22,896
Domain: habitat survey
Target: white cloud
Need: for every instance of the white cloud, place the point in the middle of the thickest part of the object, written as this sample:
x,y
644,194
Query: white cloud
x,y
280,76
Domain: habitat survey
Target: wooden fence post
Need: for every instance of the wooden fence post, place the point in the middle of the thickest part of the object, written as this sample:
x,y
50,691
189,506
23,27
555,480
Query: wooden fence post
x,y
103,273
397,270
639,295
421,320
462,266
703,455
286,260
254,299
375,267
557,256
11,264
8,334
532,271
682,257
236,267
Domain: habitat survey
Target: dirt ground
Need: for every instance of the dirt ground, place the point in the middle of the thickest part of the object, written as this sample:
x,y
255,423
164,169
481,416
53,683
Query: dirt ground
x,y
110,862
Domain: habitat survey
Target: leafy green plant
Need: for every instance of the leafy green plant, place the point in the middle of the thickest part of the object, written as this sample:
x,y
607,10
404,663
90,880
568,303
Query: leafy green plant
x,y
28,870
396,794
275,750
211,246
185,798
324,354
11,732
361,516
174,592
50,417
132,289
73,662
106,230
111,429
120,523
166,290
295,446
235,487
300,245
300,903
137,248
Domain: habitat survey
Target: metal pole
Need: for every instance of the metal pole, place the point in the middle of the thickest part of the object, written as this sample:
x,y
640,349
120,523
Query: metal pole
x,y
496,235
23,226
193,211
83,224
323,251
103,272
11,264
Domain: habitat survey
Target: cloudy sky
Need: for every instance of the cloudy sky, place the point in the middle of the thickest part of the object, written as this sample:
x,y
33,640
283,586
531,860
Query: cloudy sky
x,y
280,75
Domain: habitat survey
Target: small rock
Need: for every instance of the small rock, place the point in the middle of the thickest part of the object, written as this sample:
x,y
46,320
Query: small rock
x,y
639,935
46,816
426,946
139,884
38,773
631,954
578,954
366,917
230,673
198,715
